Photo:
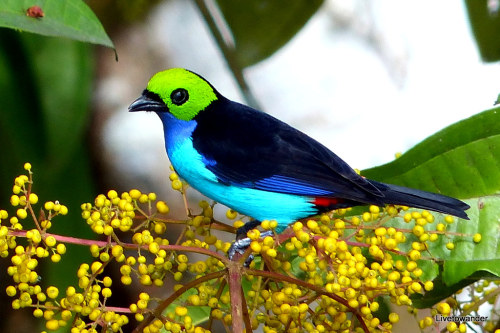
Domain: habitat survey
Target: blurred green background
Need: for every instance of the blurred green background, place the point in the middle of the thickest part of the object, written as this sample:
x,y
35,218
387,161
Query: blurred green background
x,y
63,101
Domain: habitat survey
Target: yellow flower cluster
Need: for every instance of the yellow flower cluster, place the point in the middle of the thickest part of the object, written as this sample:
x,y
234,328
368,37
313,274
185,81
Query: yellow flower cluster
x,y
328,274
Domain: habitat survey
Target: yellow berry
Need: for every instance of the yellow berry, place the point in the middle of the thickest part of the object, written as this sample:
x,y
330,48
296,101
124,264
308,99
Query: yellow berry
x,y
390,244
393,317
355,220
143,198
381,231
477,238
255,246
238,224
112,194
52,292
231,214
181,311
418,230
96,267
11,291
135,194
312,225
37,313
374,306
374,322
177,185
126,280
106,292
162,207
443,308
428,285
16,189
367,217
177,276
154,247
416,287
407,218
33,198
451,326
266,224
414,255
210,239
272,253
22,213
50,241
52,325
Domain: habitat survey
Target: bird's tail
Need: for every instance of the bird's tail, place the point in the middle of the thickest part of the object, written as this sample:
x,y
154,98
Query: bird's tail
x,y
399,195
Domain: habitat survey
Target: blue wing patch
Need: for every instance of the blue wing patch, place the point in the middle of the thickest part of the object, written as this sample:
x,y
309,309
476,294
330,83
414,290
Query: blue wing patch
x,y
284,184
208,162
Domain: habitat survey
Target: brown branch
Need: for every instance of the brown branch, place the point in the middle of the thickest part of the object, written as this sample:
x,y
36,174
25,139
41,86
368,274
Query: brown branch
x,y
235,270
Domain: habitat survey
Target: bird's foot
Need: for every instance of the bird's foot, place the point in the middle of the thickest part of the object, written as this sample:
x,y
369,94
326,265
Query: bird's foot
x,y
239,247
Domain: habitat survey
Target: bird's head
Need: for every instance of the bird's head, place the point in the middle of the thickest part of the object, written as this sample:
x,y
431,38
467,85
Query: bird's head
x,y
178,91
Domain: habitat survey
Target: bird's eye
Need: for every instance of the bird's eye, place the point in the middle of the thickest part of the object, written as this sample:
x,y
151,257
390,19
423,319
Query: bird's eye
x,y
179,96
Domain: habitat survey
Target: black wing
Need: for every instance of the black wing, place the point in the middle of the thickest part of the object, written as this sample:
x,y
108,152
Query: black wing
x,y
249,148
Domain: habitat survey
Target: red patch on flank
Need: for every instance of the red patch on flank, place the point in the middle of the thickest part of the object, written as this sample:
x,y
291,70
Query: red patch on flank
x,y
326,202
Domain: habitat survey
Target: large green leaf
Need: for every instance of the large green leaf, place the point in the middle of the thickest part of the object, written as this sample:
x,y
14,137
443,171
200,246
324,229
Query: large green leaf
x,y
462,160
468,261
261,27
485,23
64,103
69,18
45,87
468,258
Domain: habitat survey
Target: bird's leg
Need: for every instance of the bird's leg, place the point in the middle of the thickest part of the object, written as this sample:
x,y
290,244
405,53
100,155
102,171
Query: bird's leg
x,y
242,242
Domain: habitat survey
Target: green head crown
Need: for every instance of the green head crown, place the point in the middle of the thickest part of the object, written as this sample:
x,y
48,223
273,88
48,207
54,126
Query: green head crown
x,y
184,93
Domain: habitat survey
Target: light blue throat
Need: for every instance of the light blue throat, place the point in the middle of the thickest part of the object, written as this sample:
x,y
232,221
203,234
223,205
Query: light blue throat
x,y
261,205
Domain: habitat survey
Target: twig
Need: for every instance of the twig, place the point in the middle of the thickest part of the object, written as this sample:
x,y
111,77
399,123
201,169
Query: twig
x,y
228,51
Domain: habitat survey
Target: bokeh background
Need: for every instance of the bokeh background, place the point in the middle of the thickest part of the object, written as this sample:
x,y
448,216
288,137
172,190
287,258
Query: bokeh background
x,y
366,78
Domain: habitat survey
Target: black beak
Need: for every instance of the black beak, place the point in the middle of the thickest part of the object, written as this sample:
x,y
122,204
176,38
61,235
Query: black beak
x,y
148,103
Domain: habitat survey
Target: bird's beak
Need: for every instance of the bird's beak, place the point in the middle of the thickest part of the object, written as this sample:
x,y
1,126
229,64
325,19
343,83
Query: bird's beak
x,y
146,103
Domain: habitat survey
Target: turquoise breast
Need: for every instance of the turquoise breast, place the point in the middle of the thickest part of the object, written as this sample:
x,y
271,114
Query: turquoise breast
x,y
261,205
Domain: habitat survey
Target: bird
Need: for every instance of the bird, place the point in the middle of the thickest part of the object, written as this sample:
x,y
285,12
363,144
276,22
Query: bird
x,y
257,164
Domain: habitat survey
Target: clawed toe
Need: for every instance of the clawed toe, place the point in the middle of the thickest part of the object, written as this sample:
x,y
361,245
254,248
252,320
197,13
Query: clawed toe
x,y
241,245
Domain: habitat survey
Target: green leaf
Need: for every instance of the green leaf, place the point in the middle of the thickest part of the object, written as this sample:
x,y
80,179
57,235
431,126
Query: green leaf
x,y
485,24
69,18
64,103
261,27
462,160
45,87
198,314
440,291
468,261
468,258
